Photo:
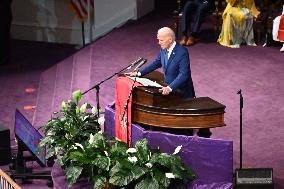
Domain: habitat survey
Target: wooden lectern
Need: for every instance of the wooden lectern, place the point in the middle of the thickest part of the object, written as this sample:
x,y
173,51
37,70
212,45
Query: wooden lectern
x,y
150,107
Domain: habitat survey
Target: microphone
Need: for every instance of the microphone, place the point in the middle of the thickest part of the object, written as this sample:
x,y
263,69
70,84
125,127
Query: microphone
x,y
134,63
140,64
239,91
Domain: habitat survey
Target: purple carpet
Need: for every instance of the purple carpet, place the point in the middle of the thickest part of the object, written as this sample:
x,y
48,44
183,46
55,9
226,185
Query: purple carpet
x,y
217,72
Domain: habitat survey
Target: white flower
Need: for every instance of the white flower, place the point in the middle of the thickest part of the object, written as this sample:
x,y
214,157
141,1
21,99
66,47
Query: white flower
x,y
106,153
63,105
132,159
149,165
85,117
101,120
94,110
170,175
131,150
74,147
80,145
92,138
83,107
177,149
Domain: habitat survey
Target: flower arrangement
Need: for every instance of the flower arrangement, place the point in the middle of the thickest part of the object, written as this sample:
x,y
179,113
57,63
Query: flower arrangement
x,y
74,137
149,168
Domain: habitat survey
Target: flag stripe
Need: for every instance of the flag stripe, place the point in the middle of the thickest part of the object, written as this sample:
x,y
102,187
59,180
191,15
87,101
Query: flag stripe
x,y
81,8
77,11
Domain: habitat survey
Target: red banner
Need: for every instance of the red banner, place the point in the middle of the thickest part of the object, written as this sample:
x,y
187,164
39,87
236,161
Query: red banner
x,y
281,29
123,88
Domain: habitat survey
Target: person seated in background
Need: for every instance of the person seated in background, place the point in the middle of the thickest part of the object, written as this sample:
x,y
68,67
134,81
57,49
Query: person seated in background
x,y
238,23
278,29
194,13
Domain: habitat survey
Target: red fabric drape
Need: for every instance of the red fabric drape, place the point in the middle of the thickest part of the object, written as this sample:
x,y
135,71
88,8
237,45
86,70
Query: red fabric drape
x,y
123,88
281,29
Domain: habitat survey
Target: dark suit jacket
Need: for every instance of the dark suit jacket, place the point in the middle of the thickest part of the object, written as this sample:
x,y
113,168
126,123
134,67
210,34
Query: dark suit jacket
x,y
177,72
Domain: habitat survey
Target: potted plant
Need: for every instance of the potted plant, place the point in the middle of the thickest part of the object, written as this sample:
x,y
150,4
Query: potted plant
x,y
73,136
66,130
147,168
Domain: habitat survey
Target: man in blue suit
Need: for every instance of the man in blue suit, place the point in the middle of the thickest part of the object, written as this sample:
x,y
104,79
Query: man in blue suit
x,y
174,60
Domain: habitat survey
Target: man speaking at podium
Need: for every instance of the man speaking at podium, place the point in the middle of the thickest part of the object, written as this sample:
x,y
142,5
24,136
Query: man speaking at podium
x,y
174,60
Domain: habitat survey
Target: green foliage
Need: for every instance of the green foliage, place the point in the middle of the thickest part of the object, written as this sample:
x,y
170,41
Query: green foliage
x,y
73,136
147,168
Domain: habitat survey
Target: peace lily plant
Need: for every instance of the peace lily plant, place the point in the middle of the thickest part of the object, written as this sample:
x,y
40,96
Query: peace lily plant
x,y
73,136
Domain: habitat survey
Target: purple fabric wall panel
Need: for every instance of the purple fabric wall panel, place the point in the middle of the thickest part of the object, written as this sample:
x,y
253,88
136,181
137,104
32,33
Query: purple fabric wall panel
x,y
211,159
109,125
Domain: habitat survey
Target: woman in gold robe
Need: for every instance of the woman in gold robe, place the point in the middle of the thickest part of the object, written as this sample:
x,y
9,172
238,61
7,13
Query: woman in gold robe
x,y
238,23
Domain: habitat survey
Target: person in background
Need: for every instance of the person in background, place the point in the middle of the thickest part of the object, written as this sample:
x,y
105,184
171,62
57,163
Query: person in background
x,y
278,29
174,59
238,23
194,13
5,24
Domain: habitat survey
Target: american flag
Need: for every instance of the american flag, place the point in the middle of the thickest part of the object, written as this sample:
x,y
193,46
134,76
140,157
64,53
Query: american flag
x,y
81,8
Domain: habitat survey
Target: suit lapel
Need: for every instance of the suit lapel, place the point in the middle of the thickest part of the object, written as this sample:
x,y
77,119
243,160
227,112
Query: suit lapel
x,y
171,57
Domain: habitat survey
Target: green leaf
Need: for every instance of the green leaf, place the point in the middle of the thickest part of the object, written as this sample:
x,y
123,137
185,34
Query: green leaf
x,y
73,173
102,162
161,159
121,179
147,184
99,182
142,150
77,96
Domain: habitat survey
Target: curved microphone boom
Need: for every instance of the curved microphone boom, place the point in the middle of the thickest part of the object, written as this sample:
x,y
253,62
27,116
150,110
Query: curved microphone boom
x,y
140,64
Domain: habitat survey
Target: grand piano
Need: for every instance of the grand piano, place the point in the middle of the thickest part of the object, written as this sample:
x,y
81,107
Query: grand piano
x,y
151,108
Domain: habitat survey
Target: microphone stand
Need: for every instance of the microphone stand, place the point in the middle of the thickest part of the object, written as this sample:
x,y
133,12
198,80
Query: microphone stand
x,y
125,111
97,86
241,127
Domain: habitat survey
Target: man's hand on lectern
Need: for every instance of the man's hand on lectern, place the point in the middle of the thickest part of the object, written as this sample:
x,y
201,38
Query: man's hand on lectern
x,y
165,90
133,74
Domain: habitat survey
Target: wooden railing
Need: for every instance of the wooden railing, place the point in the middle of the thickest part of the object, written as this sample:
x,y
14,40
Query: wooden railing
x,y
6,182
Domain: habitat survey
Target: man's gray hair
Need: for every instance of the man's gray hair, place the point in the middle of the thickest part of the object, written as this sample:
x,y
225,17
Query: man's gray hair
x,y
167,31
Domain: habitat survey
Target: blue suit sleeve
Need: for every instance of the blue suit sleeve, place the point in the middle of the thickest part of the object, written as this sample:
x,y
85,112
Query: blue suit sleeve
x,y
153,66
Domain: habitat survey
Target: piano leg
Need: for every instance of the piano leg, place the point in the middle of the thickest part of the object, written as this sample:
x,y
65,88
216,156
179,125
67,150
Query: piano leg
x,y
206,133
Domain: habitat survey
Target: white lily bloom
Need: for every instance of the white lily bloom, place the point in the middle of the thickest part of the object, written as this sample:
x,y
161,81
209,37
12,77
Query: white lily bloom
x,y
94,110
83,107
92,138
63,105
131,150
85,117
177,149
74,147
101,120
132,159
149,165
170,175
80,145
